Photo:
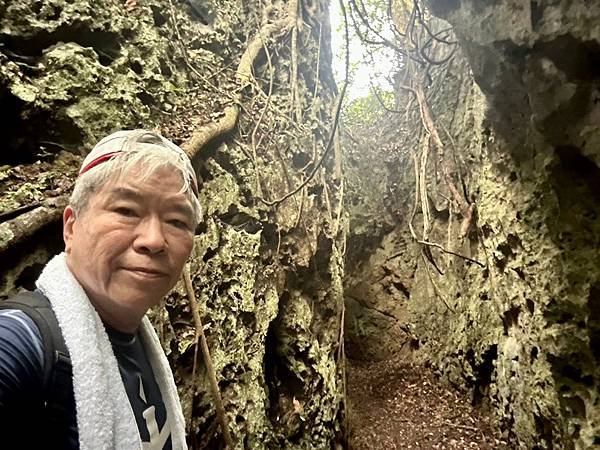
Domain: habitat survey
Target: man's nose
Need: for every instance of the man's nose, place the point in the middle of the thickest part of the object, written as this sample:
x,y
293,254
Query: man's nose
x,y
150,237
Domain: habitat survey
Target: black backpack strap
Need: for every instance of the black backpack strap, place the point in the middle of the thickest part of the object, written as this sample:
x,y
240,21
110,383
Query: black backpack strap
x,y
57,378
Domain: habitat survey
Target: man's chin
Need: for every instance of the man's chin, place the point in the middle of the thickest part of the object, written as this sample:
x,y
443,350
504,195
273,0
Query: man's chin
x,y
134,283
137,299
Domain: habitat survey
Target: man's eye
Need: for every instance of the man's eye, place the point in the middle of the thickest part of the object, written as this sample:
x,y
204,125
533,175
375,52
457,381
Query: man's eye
x,y
179,224
124,211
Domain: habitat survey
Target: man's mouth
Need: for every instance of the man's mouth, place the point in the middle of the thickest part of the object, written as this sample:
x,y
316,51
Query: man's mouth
x,y
146,272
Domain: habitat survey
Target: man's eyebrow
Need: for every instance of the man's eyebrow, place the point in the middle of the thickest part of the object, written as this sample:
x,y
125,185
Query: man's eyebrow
x,y
124,192
121,192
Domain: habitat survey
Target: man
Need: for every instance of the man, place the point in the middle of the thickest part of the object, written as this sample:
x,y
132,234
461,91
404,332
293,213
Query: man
x,y
128,231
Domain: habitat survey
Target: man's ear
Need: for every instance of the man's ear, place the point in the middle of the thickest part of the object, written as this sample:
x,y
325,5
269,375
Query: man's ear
x,y
68,223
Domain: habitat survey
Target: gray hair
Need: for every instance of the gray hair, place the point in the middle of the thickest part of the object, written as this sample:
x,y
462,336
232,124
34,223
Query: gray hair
x,y
144,151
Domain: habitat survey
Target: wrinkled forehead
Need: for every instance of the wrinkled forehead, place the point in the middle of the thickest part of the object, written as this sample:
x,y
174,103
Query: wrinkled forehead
x,y
143,169
137,184
163,177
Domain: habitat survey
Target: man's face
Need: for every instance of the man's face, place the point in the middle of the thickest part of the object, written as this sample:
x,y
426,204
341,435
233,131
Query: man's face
x,y
128,247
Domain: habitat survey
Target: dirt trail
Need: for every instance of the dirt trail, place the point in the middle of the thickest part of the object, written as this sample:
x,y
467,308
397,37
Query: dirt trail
x,y
396,404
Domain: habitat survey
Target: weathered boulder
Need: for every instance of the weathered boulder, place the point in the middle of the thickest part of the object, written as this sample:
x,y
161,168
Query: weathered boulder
x,y
71,71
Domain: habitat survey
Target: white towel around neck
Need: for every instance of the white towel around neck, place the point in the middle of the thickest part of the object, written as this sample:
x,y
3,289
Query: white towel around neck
x,y
105,419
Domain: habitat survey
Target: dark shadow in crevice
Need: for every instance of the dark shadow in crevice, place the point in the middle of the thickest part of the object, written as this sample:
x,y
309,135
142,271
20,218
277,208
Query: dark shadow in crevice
x,y
578,59
593,322
483,373
46,242
582,169
106,44
283,385
27,133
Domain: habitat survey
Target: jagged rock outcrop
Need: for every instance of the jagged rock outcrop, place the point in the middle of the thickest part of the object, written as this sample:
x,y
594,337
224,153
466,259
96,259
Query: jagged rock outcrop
x,y
72,70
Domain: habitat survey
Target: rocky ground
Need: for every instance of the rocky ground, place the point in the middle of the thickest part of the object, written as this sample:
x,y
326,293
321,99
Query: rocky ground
x,y
396,404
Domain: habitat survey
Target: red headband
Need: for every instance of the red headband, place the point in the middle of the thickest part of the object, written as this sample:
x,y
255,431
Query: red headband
x,y
108,156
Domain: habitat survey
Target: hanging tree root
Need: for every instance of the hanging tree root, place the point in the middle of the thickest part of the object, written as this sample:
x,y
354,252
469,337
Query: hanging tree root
x,y
466,209
333,133
225,124
295,95
214,387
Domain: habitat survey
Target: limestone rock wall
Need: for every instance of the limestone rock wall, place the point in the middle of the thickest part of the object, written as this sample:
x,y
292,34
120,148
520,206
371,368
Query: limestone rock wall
x,y
379,270
538,203
72,70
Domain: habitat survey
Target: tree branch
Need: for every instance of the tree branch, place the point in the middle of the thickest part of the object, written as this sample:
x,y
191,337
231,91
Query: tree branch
x,y
433,244
334,127
25,225
212,377
225,124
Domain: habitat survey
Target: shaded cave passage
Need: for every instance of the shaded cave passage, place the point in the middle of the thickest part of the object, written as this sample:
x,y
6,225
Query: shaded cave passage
x,y
397,404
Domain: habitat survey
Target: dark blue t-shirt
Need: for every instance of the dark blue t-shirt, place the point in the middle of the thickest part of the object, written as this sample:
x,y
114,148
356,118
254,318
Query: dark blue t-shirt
x,y
21,373
142,390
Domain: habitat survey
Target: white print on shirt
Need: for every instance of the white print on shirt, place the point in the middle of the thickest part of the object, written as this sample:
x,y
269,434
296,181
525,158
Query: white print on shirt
x,y
158,438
